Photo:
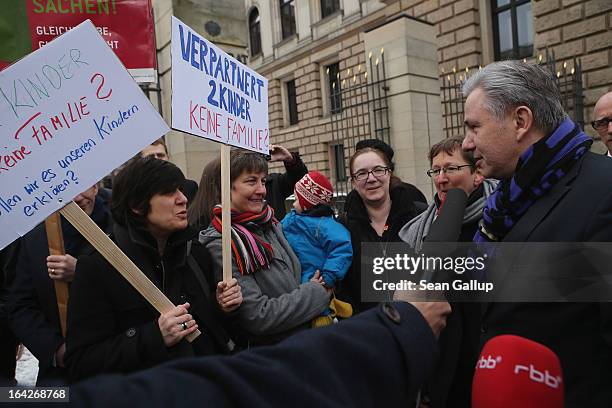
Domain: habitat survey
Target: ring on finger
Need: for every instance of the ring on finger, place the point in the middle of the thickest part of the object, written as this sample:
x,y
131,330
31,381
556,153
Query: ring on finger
x,y
184,326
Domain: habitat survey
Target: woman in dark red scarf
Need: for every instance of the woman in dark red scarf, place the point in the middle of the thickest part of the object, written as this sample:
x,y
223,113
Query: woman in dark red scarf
x,y
275,304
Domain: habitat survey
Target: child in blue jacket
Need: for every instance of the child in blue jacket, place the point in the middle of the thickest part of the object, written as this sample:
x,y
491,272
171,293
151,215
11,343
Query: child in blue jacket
x,y
321,243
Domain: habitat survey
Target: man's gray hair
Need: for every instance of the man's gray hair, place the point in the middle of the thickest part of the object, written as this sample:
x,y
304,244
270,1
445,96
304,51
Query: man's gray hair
x,y
508,84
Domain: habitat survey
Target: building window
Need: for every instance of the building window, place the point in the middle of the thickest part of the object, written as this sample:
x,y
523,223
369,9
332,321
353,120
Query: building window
x,y
338,158
329,7
335,92
255,32
512,29
292,103
287,12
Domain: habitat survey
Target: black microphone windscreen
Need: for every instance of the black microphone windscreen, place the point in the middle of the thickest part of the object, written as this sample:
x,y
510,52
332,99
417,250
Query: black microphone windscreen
x,y
447,227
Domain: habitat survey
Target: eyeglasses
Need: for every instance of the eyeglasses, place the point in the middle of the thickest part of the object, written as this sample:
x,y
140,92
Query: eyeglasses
x,y
377,172
447,170
601,124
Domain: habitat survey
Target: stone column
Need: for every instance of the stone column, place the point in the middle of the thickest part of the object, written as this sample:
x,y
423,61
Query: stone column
x,y
415,120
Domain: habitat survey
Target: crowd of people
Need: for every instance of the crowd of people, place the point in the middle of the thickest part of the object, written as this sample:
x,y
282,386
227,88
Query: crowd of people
x,y
528,174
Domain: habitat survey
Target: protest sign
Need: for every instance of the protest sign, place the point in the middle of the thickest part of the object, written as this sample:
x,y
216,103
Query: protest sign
x,y
69,114
214,96
126,26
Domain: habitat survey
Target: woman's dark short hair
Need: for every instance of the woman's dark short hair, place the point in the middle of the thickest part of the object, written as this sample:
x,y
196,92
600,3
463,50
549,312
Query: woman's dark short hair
x,y
449,146
378,145
137,183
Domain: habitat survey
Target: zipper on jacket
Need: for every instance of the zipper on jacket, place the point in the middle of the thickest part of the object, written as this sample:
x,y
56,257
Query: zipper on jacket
x,y
163,271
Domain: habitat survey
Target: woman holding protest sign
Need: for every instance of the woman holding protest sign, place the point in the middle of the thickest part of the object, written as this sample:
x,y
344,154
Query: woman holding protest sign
x,y
111,327
275,303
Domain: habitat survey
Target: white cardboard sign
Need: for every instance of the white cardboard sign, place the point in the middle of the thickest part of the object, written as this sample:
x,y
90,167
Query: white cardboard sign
x,y
214,96
69,114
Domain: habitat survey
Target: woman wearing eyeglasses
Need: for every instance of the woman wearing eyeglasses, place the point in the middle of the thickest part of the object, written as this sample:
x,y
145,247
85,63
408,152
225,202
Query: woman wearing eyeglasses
x,y
380,208
451,167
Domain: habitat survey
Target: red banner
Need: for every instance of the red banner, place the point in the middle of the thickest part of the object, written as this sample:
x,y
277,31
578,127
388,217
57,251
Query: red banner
x,y
126,25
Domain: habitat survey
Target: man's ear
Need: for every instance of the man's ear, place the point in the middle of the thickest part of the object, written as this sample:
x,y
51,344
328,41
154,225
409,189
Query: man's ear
x,y
522,121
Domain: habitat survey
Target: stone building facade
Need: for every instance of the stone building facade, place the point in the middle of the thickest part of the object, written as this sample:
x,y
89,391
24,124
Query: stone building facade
x,y
423,42
464,33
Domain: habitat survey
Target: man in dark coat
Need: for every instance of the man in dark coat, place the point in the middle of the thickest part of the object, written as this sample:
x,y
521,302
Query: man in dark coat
x,y
552,189
32,306
379,358
279,186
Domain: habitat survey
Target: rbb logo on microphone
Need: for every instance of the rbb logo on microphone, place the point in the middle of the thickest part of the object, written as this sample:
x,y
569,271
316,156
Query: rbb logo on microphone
x,y
489,362
514,372
538,376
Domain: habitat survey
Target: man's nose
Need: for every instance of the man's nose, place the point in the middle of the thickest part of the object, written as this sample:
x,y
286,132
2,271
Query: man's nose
x,y
468,143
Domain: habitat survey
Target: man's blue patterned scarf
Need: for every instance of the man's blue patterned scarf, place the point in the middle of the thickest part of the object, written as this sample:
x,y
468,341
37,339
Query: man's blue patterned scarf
x,y
538,170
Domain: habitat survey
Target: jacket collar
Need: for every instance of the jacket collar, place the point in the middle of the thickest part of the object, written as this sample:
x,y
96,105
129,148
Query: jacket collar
x,y
542,207
401,205
134,237
320,210
536,214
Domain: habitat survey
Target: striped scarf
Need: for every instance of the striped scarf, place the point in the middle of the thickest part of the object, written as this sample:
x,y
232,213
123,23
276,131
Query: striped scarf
x,y
415,231
252,253
537,172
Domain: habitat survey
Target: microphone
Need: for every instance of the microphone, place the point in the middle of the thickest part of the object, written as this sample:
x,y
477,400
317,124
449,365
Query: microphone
x,y
514,372
447,227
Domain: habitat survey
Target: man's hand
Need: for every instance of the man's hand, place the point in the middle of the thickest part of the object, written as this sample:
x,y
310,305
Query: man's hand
x,y
435,314
279,153
61,267
229,295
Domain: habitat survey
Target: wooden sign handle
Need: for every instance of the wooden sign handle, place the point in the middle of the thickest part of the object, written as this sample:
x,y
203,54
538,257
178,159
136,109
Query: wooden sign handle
x,y
111,252
55,239
226,217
